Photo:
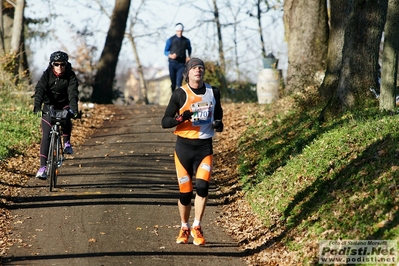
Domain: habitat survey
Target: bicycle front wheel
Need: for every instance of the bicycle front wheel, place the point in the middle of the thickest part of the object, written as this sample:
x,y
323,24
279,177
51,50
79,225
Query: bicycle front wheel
x,y
52,161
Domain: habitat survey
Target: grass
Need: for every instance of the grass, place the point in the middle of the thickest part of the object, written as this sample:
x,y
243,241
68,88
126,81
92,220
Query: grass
x,y
19,127
338,180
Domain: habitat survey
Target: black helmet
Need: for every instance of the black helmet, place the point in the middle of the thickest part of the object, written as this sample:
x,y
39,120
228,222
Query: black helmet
x,y
59,56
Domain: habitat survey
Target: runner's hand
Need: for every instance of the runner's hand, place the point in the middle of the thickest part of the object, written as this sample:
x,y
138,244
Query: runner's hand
x,y
218,125
183,117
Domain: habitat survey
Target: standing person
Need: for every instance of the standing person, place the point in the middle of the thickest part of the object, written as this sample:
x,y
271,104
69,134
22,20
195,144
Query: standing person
x,y
178,51
195,110
58,87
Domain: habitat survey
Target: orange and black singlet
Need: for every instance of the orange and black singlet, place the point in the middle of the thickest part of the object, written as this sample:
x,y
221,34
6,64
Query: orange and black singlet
x,y
203,107
180,98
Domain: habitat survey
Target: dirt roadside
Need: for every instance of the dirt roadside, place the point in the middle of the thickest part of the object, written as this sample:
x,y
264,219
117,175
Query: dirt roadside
x,y
116,204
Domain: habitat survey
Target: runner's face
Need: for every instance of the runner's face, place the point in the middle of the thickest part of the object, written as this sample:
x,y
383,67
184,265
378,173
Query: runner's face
x,y
179,33
196,73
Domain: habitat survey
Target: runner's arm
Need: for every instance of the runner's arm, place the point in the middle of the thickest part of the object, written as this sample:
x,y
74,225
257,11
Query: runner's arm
x,y
218,107
167,47
172,110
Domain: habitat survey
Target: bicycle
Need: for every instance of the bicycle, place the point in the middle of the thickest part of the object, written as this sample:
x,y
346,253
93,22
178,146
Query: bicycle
x,y
56,152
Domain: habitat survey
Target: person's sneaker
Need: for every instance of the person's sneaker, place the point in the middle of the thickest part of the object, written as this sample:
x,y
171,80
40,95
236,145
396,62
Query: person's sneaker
x,y
199,239
183,236
68,148
42,173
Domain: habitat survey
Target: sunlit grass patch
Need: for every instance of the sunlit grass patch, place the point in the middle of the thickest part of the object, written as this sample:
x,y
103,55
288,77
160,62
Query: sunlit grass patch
x,y
19,127
329,181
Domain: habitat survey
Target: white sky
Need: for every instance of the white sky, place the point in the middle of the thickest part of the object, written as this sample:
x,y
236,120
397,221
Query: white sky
x,y
74,15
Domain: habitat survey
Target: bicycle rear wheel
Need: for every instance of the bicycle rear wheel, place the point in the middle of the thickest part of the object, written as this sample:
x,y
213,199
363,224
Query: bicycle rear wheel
x,y
52,162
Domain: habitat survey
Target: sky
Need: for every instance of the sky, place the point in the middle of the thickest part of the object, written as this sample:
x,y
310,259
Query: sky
x,y
156,20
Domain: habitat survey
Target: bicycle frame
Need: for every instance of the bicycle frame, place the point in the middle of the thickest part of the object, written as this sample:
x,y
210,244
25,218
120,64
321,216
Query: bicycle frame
x,y
56,151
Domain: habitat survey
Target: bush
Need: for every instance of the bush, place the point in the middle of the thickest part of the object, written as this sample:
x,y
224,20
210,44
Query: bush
x,y
240,91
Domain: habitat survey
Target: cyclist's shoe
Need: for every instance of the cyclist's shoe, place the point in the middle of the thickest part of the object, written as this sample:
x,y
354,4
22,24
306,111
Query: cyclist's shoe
x,y
183,236
199,239
68,148
42,173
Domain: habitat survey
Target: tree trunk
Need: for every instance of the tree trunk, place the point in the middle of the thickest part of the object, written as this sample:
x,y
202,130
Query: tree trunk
x,y
2,48
234,13
360,53
306,29
339,12
7,21
17,27
143,98
390,58
219,34
260,29
220,41
104,79
16,44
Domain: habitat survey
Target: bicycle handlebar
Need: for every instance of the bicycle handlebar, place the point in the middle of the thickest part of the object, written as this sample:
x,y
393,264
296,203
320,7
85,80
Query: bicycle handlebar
x,y
63,114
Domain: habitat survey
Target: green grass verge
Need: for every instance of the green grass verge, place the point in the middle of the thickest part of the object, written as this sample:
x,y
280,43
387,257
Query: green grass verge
x,y
338,180
19,127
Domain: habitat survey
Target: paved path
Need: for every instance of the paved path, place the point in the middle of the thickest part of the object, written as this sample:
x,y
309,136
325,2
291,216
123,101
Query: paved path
x,y
116,204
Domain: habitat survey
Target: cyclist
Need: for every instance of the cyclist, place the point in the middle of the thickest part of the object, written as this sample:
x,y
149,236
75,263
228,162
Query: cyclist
x,y
58,87
195,110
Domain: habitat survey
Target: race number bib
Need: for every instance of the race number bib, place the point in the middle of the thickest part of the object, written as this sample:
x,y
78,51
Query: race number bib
x,y
202,113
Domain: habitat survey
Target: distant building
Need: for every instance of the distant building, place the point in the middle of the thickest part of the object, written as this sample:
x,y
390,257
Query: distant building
x,y
158,86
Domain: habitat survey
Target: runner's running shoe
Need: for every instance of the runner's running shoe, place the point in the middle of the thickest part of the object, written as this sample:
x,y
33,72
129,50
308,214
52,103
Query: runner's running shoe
x,y
199,239
42,173
183,236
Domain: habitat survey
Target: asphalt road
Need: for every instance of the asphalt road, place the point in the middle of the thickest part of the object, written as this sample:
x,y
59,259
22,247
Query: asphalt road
x,y
116,204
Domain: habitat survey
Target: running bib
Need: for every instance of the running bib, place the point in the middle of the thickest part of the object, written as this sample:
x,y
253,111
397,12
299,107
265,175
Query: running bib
x,y
202,113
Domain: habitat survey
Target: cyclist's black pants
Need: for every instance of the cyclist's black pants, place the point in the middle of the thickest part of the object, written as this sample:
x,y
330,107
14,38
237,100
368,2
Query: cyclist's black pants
x,y
46,127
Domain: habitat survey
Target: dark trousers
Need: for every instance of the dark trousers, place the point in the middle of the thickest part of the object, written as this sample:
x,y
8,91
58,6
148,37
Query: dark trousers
x,y
176,74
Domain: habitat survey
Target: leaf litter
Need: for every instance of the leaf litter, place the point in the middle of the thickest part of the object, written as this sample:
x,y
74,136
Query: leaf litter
x,y
236,216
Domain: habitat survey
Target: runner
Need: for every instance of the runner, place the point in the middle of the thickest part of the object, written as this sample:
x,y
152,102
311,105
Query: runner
x,y
178,51
195,110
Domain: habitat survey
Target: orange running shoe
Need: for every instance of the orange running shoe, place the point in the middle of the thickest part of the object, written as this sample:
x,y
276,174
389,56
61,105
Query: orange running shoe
x,y
199,239
183,236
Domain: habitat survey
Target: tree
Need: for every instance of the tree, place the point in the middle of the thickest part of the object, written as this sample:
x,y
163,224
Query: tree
x,y
235,11
17,27
360,53
219,35
7,20
258,15
17,31
134,19
132,39
306,31
390,58
339,14
220,45
103,81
